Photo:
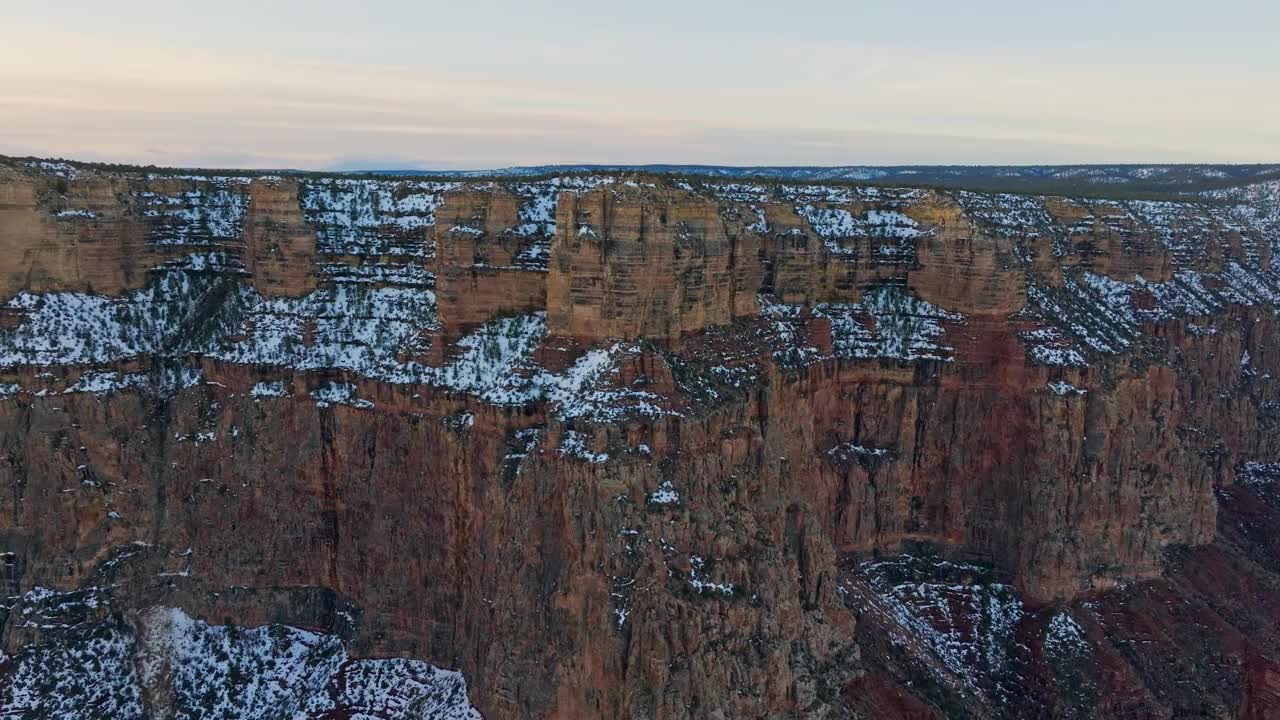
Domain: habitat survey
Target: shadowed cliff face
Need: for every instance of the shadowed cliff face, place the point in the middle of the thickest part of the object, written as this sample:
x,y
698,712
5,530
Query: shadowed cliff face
x,y
626,446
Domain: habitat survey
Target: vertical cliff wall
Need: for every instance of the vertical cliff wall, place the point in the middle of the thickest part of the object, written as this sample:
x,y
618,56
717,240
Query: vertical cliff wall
x,y
279,245
629,446
656,264
485,262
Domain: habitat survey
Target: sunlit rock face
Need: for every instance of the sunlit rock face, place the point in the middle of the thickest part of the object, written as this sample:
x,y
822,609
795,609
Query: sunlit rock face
x,y
626,445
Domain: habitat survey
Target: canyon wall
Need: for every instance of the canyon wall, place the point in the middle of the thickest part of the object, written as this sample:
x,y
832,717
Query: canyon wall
x,y
641,263
484,264
635,446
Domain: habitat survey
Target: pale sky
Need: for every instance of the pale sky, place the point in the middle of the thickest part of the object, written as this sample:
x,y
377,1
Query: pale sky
x,y
356,84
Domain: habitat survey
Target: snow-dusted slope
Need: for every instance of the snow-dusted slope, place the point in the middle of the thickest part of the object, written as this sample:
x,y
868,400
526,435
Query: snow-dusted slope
x,y
162,663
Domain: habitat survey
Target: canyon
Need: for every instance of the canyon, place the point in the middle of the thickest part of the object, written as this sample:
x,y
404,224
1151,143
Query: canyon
x,y
634,444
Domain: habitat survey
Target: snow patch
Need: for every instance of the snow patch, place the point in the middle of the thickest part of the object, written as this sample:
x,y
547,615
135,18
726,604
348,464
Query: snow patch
x,y
336,393
666,494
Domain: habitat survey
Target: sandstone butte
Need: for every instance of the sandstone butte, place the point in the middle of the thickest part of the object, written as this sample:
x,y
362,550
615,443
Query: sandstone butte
x,y
626,446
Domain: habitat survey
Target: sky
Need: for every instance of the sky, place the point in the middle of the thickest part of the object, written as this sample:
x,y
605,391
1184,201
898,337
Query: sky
x,y
469,84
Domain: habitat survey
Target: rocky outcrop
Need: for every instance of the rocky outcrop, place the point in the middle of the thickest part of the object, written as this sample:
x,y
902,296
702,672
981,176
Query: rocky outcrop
x,y
483,266
962,268
643,447
654,265
61,234
1108,239
279,246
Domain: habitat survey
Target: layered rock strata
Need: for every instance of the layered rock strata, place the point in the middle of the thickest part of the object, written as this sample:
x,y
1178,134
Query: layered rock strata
x,y
631,446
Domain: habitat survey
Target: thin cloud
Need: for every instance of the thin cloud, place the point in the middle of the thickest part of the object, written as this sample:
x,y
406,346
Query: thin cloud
x,y
778,103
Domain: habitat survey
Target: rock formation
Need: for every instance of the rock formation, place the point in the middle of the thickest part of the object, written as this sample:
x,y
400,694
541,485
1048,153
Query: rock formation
x,y
644,263
279,246
484,263
635,446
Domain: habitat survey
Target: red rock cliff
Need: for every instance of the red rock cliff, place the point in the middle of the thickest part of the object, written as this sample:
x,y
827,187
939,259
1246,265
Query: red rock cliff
x,y
681,449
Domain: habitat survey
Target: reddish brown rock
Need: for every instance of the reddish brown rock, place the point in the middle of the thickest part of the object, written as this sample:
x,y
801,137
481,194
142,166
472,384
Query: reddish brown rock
x,y
693,560
961,268
876,696
1108,240
478,266
279,246
651,264
60,234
